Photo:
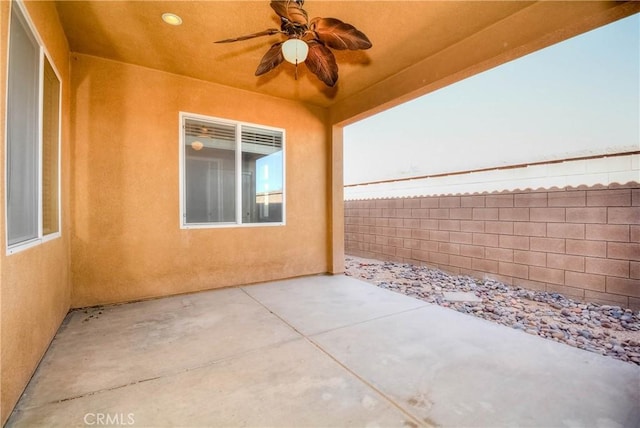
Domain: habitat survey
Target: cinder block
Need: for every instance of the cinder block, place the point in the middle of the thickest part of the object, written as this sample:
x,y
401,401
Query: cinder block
x,y
609,267
635,233
570,198
420,212
396,222
485,239
460,261
439,235
499,227
364,229
411,203
513,214
430,202
448,248
511,241
485,213
403,232
388,250
586,248
534,199
403,212
461,213
566,230
389,231
396,242
606,298
585,280
439,258
383,222
429,245
587,215
375,248
630,215
549,215
547,245
439,213
623,251
484,265
634,270
566,262
383,203
475,251
429,224
624,286
513,269
499,200
461,237
607,232
420,234
382,240
472,201
449,225
609,198
548,275
532,258
530,229
404,253
449,202
411,243
500,254
472,226
388,212
411,223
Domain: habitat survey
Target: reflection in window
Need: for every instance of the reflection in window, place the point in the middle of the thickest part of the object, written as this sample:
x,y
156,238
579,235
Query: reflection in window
x,y
233,173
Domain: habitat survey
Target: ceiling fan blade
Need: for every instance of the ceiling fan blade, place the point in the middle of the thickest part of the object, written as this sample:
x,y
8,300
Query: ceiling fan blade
x,y
339,35
269,32
321,62
290,10
270,60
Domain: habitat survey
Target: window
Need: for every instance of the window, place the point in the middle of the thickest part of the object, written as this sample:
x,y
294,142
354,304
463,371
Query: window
x,y
33,135
232,173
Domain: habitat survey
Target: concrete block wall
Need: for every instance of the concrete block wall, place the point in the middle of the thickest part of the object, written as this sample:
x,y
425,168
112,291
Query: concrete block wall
x,y
580,242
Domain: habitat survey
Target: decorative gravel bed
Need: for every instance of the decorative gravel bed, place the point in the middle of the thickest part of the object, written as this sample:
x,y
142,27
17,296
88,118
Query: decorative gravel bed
x,y
605,329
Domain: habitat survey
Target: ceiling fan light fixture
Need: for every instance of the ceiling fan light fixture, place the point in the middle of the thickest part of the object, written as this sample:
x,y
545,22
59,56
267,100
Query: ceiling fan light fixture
x,y
197,146
171,19
295,51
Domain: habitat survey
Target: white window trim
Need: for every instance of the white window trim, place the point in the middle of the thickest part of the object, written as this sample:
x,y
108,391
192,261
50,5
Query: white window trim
x,y
238,222
42,52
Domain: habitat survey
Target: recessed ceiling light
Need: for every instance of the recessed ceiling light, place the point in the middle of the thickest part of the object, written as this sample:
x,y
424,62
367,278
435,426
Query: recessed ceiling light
x,y
171,19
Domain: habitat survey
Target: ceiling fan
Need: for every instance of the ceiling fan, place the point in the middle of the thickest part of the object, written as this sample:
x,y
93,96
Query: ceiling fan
x,y
307,41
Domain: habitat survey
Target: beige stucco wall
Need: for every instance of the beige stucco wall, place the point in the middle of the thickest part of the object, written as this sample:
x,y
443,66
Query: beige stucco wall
x,y
35,283
127,243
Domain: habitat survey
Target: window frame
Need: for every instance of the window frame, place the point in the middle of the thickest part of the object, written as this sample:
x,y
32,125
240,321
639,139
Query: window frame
x,y
183,116
18,7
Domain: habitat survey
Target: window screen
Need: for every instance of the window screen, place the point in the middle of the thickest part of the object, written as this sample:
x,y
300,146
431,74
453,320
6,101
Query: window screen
x,y
22,133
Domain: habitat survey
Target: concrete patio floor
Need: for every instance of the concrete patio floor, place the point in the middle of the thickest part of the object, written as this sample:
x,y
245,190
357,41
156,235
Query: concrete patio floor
x,y
327,351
